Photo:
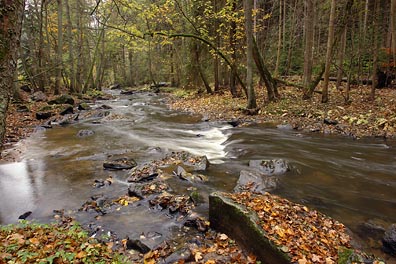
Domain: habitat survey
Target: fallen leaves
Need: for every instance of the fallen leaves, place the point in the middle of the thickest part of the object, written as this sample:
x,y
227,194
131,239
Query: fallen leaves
x,y
306,235
52,243
359,118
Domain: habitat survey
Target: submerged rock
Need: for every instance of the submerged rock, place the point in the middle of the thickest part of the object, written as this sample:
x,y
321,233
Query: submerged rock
x,y
85,133
137,245
372,228
389,240
270,167
120,164
255,181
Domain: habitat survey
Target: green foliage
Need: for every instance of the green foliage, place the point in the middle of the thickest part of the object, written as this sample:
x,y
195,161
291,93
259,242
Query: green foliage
x,y
182,93
52,243
94,93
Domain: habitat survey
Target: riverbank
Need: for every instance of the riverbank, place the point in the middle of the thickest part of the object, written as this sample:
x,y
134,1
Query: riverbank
x,y
111,203
358,119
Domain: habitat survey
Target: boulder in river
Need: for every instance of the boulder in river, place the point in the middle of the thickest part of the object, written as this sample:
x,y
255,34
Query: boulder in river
x,y
67,110
270,167
119,164
85,133
195,163
115,86
84,106
105,107
255,181
128,92
373,228
141,190
143,173
183,174
63,99
137,245
389,240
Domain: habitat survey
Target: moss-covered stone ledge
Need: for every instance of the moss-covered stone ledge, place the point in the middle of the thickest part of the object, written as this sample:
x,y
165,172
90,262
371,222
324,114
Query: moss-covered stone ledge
x,y
241,224
279,231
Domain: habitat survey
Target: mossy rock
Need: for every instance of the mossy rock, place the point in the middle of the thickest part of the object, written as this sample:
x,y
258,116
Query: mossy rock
x,y
46,108
240,224
63,99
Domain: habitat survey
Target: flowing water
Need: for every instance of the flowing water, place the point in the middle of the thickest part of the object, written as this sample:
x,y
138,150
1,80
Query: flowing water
x,y
352,181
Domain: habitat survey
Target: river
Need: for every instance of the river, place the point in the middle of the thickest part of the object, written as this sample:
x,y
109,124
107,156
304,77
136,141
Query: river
x,y
353,181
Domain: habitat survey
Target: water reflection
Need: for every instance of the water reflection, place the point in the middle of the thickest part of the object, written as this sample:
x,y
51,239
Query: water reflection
x,y
18,191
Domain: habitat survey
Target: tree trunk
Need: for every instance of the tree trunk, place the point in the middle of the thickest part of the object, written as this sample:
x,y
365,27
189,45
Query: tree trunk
x,y
217,39
232,33
330,39
393,28
279,46
308,58
251,100
292,33
59,53
374,75
341,54
79,47
72,74
42,77
265,75
10,31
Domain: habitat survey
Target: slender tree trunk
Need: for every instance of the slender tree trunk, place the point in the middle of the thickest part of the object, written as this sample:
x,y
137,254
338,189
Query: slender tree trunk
x,y
79,48
172,66
374,75
279,48
393,29
251,103
330,39
265,75
41,78
308,58
72,74
292,33
341,54
233,54
59,53
199,68
216,58
10,31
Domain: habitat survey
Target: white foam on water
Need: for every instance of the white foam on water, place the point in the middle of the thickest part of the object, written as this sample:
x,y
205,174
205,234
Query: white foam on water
x,y
208,142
